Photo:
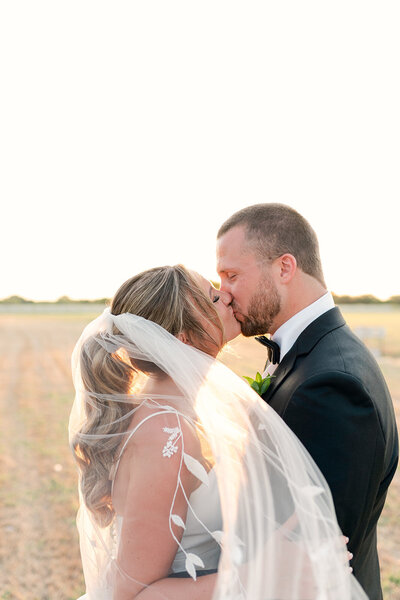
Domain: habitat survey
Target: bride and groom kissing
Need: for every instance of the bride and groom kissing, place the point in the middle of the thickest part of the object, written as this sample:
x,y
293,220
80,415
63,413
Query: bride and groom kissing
x,y
163,433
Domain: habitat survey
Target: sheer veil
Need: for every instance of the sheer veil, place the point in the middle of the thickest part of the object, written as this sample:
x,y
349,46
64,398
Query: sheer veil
x,y
280,538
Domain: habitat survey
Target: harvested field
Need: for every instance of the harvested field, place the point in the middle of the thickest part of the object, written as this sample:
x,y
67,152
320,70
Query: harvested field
x,y
39,552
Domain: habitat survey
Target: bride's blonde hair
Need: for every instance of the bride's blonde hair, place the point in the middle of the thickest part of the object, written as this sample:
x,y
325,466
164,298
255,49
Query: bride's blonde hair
x,y
170,297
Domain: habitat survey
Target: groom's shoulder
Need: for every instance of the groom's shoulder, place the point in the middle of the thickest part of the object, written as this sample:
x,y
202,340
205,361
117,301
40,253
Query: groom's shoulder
x,y
346,348
330,341
336,349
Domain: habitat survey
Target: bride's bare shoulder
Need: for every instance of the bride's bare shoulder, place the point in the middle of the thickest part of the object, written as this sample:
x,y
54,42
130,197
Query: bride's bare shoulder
x,y
161,427
154,452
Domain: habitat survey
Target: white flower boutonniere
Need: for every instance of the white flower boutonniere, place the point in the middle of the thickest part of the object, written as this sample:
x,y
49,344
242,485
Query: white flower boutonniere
x,y
259,384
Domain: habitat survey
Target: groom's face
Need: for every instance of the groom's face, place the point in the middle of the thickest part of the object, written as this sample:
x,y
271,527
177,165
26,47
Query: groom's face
x,y
255,297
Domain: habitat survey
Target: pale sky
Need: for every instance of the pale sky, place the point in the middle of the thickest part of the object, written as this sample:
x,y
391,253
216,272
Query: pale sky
x,y
129,131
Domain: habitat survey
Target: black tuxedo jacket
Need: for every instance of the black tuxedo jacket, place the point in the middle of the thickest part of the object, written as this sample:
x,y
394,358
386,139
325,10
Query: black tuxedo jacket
x,y
330,391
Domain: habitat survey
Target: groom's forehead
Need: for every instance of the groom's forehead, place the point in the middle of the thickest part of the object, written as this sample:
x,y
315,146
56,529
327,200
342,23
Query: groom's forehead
x,y
233,242
232,256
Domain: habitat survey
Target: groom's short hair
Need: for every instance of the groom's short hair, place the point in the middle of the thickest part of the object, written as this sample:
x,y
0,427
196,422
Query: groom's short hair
x,y
276,229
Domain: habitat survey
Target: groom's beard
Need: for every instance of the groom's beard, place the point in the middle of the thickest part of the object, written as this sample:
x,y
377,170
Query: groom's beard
x,y
263,308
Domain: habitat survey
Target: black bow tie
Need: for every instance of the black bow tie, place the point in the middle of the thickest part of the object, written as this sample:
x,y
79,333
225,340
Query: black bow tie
x,y
274,352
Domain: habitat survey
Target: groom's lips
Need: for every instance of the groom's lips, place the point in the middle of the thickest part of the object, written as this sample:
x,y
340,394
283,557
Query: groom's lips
x,y
238,315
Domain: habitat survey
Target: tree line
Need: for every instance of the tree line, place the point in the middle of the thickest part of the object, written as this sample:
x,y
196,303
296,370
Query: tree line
x,y
61,300
364,299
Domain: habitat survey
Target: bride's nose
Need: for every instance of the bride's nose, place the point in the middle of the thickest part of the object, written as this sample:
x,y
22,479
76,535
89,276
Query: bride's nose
x,y
225,297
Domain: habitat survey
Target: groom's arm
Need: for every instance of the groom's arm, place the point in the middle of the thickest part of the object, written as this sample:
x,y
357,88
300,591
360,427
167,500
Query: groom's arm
x,y
334,417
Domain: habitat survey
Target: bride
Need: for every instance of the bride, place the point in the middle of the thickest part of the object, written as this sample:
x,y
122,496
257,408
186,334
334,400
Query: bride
x,y
190,485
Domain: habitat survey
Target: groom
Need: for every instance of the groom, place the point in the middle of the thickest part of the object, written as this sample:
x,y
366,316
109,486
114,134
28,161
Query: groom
x,y
327,386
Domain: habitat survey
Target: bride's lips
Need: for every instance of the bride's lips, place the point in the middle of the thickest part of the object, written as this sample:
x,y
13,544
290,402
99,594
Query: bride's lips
x,y
238,316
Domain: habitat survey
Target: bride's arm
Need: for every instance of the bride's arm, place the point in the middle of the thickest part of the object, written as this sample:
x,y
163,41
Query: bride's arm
x,y
180,589
149,539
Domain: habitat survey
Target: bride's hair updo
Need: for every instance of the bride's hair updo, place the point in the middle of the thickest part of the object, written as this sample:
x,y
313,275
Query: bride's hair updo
x,y
170,297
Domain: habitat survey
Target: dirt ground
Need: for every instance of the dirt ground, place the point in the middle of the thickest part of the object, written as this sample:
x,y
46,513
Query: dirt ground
x,y
39,548
39,553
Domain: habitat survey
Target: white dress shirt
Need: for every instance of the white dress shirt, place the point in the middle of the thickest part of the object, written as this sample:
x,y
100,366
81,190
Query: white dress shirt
x,y
288,333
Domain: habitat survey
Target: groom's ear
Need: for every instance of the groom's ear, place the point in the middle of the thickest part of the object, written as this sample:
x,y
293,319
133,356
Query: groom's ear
x,y
288,268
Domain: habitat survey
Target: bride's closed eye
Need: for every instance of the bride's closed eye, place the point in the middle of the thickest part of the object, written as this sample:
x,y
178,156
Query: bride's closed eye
x,y
216,298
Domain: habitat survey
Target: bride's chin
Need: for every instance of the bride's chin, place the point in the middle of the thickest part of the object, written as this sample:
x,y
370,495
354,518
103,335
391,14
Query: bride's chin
x,y
232,333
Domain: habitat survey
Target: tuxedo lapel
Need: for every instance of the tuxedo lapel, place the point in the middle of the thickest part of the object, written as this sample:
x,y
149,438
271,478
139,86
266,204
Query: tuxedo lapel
x,y
324,324
281,372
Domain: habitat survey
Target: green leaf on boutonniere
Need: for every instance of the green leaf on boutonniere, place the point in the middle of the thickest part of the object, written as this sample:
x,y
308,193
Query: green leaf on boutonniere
x,y
265,384
259,384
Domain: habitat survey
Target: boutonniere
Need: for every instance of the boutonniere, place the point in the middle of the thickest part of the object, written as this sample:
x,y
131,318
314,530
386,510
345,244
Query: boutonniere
x,y
259,384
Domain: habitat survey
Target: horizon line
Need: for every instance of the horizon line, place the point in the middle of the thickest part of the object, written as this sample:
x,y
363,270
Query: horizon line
x,y
64,299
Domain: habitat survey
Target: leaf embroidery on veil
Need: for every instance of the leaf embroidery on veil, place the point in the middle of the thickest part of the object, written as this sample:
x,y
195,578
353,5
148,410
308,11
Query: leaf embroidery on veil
x,y
196,468
170,447
178,521
191,561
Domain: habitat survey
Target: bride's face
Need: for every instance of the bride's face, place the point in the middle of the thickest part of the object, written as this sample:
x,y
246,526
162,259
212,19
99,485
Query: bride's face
x,y
222,303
